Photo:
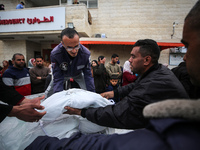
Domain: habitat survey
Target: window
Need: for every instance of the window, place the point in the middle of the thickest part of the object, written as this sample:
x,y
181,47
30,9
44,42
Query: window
x,y
90,3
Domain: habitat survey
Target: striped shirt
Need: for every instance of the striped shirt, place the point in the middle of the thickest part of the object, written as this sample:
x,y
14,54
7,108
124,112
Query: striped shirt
x,y
19,79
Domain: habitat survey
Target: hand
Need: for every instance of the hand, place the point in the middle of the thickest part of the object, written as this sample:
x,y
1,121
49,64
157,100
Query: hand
x,y
39,78
108,95
33,101
72,111
27,112
102,61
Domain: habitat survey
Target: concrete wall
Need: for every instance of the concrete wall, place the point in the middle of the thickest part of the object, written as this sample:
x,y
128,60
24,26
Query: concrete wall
x,y
8,48
31,47
138,19
10,4
27,48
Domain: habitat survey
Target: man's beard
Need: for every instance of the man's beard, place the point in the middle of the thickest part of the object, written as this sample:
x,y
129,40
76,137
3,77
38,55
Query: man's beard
x,y
21,66
39,66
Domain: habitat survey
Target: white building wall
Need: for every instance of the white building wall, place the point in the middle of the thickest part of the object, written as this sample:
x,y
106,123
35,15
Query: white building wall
x,y
139,19
9,48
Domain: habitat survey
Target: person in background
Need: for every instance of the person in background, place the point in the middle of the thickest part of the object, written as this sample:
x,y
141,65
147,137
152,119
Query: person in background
x,y
20,6
38,76
128,76
173,125
113,68
5,66
93,64
10,63
47,64
2,7
75,2
17,76
113,85
70,59
121,78
181,73
31,63
100,75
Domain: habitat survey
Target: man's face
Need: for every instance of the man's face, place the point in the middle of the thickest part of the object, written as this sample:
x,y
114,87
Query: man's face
x,y
191,40
136,61
115,60
71,45
39,62
19,61
114,81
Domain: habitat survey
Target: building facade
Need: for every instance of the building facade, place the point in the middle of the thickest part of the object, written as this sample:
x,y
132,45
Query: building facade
x,y
105,27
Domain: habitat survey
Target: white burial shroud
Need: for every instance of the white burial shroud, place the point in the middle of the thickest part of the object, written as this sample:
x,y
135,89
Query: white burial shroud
x,y
17,134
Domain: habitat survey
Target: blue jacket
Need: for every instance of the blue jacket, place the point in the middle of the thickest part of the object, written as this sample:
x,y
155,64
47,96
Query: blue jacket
x,y
162,134
80,64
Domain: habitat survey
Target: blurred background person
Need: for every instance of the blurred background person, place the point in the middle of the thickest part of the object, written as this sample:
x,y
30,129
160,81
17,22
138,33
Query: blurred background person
x,y
5,66
100,75
93,64
113,85
128,76
38,76
31,63
20,6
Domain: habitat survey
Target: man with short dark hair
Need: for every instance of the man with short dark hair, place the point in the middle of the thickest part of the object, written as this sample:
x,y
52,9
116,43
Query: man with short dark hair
x,y
155,83
70,59
18,76
38,76
113,68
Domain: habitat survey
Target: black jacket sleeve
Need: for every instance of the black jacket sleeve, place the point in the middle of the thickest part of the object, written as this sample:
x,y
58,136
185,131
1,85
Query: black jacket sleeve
x,y
127,113
9,96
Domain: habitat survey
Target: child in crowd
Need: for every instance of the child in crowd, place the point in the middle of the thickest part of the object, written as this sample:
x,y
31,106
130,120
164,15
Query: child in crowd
x,y
114,84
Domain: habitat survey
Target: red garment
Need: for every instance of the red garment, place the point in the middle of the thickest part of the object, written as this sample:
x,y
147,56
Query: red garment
x,y
128,78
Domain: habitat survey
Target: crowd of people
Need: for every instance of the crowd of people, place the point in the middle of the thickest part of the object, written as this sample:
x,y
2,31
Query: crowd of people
x,y
25,80
153,101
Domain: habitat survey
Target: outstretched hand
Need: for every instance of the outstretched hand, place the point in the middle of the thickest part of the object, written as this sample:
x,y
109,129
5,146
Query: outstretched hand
x,y
72,111
26,110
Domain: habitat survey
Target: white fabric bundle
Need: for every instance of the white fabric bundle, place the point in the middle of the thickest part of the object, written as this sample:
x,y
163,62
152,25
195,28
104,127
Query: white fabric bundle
x,y
17,134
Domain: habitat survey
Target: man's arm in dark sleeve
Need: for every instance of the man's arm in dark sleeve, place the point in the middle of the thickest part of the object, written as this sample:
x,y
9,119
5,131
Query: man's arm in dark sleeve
x,y
123,91
124,114
9,96
4,111
58,77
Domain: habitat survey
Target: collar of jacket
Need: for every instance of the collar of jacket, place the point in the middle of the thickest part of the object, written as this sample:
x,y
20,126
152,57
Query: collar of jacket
x,y
154,67
176,108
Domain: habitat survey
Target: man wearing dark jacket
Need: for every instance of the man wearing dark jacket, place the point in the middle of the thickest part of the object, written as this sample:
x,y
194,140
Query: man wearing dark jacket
x,y
155,83
181,73
70,59
175,124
